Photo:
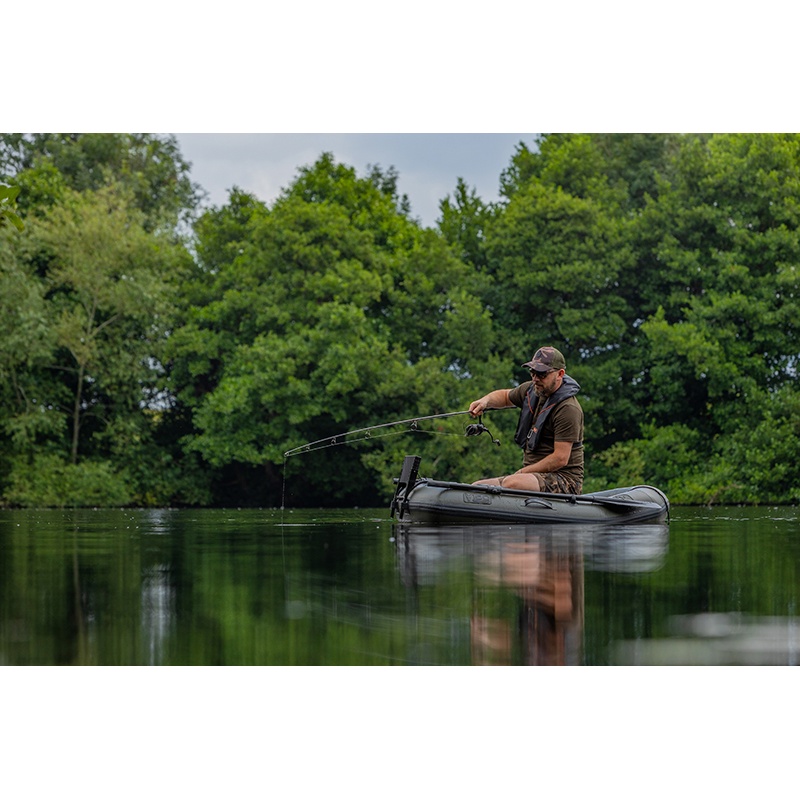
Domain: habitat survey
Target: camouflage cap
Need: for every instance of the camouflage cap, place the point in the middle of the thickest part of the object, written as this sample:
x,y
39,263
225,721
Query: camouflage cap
x,y
545,359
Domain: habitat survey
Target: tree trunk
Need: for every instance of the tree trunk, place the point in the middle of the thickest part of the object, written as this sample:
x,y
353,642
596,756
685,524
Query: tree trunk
x,y
76,416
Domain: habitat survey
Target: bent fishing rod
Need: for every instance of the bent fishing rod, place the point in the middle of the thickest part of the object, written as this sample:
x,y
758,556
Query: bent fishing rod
x,y
475,429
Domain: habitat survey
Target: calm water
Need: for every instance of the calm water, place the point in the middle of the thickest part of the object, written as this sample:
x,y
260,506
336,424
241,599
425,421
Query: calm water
x,y
297,587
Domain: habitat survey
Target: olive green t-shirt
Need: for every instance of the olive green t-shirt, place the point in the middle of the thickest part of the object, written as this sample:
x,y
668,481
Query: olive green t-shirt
x,y
563,424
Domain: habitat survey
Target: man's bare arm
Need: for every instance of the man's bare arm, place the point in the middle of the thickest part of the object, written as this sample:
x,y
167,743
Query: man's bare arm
x,y
496,399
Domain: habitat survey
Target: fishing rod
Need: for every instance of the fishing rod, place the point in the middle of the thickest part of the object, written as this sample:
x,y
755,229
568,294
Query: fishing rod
x,y
475,429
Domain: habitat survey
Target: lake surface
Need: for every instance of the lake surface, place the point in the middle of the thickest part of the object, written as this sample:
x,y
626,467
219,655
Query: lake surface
x,y
347,587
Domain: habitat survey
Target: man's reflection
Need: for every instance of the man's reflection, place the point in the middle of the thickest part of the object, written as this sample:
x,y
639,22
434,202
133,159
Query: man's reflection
x,y
549,626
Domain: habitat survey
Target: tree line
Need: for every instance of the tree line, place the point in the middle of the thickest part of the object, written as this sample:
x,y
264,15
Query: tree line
x,y
155,352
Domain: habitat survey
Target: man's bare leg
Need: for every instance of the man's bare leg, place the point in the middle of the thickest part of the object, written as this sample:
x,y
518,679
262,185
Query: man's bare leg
x,y
529,481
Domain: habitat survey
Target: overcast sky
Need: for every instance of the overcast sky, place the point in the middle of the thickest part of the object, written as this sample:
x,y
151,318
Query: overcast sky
x,y
428,164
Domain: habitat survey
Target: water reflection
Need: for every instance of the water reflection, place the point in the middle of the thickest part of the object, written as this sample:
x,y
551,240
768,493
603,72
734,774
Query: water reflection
x,y
157,616
219,587
715,639
528,580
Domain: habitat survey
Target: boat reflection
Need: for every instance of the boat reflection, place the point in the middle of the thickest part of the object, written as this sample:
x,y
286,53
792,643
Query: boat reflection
x,y
528,580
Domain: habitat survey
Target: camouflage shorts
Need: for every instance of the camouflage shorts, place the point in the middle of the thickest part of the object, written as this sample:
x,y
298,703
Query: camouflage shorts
x,y
560,483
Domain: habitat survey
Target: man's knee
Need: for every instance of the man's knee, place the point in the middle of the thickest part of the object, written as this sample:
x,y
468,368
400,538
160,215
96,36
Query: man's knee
x,y
528,481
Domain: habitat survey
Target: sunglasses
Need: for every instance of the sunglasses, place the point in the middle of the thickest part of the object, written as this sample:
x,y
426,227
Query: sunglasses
x,y
535,374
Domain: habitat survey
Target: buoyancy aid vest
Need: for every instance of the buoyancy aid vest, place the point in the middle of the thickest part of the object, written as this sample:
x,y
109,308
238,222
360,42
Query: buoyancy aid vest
x,y
528,429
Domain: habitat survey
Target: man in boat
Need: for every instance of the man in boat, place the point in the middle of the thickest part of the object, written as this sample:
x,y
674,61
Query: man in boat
x,y
550,428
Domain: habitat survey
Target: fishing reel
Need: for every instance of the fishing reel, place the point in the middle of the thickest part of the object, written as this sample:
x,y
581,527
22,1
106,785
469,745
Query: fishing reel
x,y
477,428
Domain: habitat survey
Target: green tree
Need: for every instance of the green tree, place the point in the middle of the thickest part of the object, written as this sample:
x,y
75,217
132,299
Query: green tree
x,y
720,249
150,167
8,197
624,168
107,295
463,222
93,293
726,238
330,311
27,345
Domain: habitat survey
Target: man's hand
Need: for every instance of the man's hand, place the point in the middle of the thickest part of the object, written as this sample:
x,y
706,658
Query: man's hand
x,y
477,407
496,399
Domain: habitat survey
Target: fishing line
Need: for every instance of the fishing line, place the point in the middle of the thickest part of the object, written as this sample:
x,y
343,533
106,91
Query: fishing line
x,y
283,489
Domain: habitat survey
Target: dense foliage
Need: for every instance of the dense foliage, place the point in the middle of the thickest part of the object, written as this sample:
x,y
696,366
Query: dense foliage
x,y
154,354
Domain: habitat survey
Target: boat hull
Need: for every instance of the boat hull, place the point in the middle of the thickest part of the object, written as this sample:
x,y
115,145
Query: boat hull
x,y
428,502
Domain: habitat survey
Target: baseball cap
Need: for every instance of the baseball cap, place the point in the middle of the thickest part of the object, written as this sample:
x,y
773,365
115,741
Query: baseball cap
x,y
545,359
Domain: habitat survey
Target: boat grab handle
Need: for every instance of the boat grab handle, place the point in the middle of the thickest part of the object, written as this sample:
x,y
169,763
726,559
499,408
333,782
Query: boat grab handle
x,y
535,501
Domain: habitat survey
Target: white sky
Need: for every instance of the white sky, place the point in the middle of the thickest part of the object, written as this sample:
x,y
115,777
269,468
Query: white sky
x,y
428,165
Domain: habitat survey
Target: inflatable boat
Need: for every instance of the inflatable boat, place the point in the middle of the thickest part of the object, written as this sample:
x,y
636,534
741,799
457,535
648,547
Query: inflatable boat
x,y
429,502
